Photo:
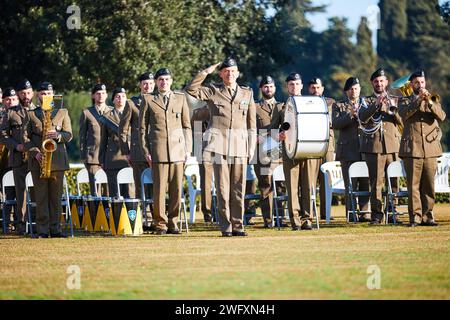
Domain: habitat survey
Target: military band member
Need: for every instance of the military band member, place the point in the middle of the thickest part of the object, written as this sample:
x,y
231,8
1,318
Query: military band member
x,y
420,146
166,141
48,192
316,88
91,121
200,122
265,165
380,138
111,157
345,121
13,120
26,94
129,144
231,139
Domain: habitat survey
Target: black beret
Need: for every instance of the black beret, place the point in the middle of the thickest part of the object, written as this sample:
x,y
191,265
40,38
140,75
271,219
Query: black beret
x,y
293,76
9,92
350,83
118,90
266,80
45,86
162,72
24,84
146,76
227,63
416,74
315,81
379,73
98,87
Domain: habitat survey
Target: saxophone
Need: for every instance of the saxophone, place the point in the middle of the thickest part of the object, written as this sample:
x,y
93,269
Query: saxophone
x,y
48,145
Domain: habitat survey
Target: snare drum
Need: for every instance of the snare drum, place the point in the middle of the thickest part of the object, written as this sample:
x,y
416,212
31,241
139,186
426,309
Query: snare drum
x,y
126,218
307,127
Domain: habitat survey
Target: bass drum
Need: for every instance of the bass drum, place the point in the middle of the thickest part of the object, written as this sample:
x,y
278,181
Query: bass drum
x,y
307,127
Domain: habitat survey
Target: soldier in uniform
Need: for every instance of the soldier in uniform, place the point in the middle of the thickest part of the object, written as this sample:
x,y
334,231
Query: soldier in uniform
x,y
231,140
26,94
419,148
166,141
111,157
129,144
316,88
48,192
91,121
265,165
12,127
298,173
380,138
345,120
200,122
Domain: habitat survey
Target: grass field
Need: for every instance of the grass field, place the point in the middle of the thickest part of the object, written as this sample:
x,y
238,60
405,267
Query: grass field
x,y
330,263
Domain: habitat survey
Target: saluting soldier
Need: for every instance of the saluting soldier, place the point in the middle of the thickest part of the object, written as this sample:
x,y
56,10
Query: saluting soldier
x,y
265,165
200,122
316,88
231,139
380,138
345,120
91,121
166,141
129,144
111,157
48,192
13,122
419,148
298,173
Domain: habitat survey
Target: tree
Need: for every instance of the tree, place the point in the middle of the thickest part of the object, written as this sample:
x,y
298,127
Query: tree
x,y
365,56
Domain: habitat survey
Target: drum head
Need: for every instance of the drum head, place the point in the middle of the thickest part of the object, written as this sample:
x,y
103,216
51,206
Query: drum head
x,y
309,127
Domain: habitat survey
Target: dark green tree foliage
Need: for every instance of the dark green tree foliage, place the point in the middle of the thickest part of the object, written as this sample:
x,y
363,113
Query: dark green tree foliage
x,y
365,56
444,10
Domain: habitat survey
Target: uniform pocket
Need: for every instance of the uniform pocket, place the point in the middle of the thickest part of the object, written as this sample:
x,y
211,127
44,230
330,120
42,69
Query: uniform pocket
x,y
432,135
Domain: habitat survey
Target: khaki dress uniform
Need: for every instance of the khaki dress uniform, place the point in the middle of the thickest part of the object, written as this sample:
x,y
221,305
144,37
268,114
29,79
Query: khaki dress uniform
x,y
12,128
48,192
90,136
301,173
129,144
419,148
265,165
199,123
111,157
165,135
347,150
231,140
380,148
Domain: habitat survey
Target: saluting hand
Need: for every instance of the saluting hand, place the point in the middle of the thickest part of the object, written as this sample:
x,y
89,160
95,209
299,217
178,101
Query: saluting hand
x,y
211,69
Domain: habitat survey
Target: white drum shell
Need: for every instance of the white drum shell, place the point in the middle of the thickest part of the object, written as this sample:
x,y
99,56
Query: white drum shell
x,y
309,127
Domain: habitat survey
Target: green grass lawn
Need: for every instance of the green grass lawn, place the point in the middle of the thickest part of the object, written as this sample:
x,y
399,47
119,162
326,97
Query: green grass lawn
x,y
330,263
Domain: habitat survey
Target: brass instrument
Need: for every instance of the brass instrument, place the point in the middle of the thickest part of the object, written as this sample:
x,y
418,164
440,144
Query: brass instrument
x,y
431,98
48,145
403,85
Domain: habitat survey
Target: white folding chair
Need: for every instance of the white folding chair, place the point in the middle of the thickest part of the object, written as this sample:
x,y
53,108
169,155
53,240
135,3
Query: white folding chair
x,y
82,177
250,176
30,204
193,170
357,169
124,176
146,178
100,178
278,176
334,183
441,184
7,181
394,170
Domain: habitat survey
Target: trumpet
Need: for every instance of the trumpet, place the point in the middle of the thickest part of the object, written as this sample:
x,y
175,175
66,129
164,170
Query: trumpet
x,y
430,98
391,107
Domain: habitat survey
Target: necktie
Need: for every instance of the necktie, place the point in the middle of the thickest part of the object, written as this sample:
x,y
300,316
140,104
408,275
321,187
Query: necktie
x,y
165,99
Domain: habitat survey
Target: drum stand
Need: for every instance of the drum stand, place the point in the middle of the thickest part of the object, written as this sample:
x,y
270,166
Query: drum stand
x,y
314,205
